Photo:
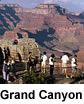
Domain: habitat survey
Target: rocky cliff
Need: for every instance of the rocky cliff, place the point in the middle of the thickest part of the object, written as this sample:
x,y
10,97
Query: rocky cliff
x,y
54,28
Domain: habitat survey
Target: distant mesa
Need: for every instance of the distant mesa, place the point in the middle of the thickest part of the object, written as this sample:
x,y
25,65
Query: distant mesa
x,y
10,5
39,9
41,6
47,6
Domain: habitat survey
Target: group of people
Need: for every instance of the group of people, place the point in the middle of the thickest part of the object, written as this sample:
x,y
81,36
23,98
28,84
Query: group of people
x,y
65,60
9,64
44,59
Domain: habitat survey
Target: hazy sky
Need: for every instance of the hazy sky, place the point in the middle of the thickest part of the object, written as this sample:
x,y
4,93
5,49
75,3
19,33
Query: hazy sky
x,y
72,5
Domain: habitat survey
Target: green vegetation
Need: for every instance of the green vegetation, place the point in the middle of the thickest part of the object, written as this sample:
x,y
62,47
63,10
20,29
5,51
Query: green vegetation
x,y
35,78
20,66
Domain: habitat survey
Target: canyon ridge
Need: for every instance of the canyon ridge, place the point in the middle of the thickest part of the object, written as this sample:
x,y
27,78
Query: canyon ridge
x,y
54,28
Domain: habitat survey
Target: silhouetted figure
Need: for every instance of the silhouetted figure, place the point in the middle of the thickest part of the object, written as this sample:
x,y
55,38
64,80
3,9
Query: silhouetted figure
x,y
13,67
40,61
1,56
4,51
29,61
5,54
19,56
35,62
8,52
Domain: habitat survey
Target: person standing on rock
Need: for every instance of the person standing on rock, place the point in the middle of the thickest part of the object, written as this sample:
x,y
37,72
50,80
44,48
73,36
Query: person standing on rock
x,y
40,61
8,52
5,53
51,63
29,61
43,63
13,67
65,60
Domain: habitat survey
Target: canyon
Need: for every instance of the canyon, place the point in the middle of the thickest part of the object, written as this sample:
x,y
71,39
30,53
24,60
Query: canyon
x,y
54,28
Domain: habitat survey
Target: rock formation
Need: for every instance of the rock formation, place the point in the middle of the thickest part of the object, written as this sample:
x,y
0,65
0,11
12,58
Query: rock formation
x,y
15,35
53,27
22,48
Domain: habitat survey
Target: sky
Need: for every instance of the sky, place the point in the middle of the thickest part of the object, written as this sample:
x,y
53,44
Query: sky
x,y
71,5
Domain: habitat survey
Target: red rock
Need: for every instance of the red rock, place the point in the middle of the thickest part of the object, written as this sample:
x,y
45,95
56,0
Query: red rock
x,y
15,35
68,28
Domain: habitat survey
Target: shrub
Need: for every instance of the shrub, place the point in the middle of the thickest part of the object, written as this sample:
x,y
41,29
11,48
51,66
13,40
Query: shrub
x,y
34,78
